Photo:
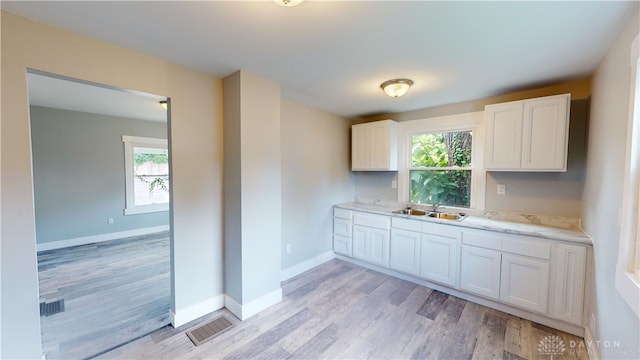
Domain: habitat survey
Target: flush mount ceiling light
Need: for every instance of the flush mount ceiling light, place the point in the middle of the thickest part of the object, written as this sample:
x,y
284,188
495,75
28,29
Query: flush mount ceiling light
x,y
396,87
163,103
288,3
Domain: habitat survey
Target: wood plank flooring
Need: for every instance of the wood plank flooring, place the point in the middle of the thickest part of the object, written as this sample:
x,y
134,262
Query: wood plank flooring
x,y
339,310
113,292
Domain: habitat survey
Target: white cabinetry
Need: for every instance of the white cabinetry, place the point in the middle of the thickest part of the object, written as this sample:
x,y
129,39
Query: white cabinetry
x,y
342,231
528,135
374,146
405,251
525,282
439,253
480,271
568,282
371,238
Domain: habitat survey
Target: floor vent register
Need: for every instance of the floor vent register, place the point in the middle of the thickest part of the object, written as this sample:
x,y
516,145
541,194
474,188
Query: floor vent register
x,y
48,309
208,331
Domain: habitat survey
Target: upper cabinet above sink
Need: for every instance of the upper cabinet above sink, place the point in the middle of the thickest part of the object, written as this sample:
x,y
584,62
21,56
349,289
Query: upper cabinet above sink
x,y
528,135
374,146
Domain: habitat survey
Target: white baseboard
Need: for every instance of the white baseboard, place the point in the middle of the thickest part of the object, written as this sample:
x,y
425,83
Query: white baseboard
x,y
245,311
298,269
590,342
183,316
99,238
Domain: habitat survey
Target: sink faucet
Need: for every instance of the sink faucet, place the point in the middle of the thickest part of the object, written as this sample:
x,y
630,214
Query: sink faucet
x,y
436,207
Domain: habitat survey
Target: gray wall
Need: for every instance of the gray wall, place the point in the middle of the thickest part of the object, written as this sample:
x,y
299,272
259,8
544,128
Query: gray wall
x,y
556,194
78,172
315,175
252,168
602,198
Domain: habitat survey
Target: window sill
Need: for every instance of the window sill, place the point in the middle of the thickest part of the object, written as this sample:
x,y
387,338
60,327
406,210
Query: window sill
x,y
145,209
628,285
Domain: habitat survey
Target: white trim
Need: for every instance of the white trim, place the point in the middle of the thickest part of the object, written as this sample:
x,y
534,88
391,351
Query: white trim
x,y
306,265
245,311
465,121
130,142
99,238
190,313
590,342
626,281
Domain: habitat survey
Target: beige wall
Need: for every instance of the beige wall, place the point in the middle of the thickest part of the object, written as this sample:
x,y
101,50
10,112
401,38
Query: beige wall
x,y
196,139
607,137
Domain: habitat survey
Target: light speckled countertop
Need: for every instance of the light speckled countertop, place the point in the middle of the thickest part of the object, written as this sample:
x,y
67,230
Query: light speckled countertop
x,y
548,227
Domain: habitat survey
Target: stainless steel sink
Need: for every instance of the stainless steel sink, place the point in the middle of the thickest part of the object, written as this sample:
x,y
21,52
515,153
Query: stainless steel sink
x,y
432,214
447,216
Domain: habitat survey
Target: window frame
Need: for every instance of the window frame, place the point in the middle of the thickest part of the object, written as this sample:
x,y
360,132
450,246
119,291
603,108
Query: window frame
x,y
627,280
473,121
131,142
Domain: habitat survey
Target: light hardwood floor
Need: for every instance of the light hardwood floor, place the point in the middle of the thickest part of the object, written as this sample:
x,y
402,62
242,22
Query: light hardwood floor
x,y
113,292
342,311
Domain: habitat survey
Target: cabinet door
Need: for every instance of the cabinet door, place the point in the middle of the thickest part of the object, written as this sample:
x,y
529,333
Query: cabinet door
x,y
359,147
404,251
379,146
504,135
525,282
360,238
480,271
569,272
378,247
545,133
439,259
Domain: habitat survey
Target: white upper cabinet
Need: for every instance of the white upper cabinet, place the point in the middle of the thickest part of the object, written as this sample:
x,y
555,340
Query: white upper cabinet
x,y
374,146
528,135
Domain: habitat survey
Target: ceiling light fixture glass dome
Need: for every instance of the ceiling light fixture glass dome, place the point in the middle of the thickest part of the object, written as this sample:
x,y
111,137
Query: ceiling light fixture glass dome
x,y
396,87
288,3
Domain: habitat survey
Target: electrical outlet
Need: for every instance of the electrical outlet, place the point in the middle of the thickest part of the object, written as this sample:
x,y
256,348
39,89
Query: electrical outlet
x,y
288,248
110,221
394,184
502,189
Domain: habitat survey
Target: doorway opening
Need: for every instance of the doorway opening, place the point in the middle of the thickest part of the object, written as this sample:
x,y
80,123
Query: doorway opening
x,y
104,269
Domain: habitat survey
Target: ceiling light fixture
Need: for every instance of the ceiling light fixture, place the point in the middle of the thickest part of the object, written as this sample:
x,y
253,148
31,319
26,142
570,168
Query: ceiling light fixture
x,y
163,103
396,87
288,3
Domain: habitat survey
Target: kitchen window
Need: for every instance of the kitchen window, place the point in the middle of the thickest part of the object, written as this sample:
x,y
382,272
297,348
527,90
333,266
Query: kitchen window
x,y
440,161
146,174
440,171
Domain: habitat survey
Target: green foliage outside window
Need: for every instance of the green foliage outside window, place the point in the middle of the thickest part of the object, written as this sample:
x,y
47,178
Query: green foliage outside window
x,y
441,150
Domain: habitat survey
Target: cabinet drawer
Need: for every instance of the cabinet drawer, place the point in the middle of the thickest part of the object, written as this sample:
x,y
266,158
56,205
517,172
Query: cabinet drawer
x,y
441,230
342,213
483,239
405,224
342,227
342,245
374,221
529,247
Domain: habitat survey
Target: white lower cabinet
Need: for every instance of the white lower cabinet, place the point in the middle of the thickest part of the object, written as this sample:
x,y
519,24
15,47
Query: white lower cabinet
x,y
540,275
439,259
525,282
404,252
371,245
568,282
480,271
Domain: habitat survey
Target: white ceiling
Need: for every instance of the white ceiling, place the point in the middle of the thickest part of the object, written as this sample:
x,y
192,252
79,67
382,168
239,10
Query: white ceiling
x,y
334,54
71,94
